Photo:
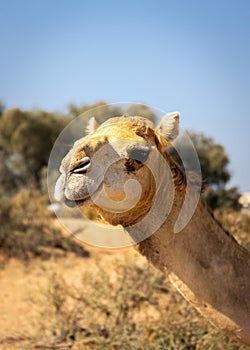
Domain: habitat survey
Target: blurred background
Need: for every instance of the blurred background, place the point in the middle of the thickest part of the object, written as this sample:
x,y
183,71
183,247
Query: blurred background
x,y
62,58
191,56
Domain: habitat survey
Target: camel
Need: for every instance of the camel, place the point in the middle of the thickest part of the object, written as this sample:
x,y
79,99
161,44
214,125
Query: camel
x,y
121,169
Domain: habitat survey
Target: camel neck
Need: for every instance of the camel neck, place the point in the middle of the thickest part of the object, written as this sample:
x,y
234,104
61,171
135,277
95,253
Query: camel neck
x,y
208,267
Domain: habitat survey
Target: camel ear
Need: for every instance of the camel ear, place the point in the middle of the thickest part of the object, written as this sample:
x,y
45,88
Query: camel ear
x,y
168,127
91,126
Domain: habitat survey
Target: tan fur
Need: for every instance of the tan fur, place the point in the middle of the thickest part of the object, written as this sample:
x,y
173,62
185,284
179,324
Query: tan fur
x,y
204,263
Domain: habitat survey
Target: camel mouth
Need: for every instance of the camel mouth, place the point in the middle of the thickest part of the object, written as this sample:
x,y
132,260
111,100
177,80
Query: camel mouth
x,y
72,203
75,203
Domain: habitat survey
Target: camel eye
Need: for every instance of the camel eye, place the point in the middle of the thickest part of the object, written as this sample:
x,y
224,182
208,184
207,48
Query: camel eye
x,y
82,166
139,151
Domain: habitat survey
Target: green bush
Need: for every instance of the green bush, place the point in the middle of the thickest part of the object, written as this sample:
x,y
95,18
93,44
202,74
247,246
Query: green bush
x,y
223,198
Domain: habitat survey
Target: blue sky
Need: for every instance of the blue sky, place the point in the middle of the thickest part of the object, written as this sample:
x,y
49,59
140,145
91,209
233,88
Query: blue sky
x,y
191,55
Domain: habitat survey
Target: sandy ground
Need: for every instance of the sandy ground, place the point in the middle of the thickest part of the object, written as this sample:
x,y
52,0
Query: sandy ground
x,y
20,284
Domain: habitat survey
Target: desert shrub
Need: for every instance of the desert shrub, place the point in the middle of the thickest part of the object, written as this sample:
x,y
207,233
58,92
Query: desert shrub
x,y
214,163
125,306
237,223
223,198
27,228
23,152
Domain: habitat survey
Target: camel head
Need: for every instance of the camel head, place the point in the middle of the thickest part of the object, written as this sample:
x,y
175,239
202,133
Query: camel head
x,y
110,169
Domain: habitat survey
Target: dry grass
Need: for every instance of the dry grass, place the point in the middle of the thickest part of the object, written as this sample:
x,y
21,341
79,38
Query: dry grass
x,y
27,229
128,305
119,303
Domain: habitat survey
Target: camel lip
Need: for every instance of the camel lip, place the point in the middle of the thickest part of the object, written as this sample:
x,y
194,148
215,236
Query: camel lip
x,y
74,203
70,203
81,201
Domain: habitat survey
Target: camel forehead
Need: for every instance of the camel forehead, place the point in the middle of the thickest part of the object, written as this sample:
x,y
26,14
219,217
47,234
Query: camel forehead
x,y
128,122
113,130
124,127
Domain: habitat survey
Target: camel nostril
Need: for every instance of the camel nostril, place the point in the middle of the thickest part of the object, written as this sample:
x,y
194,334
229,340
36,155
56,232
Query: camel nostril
x,y
82,166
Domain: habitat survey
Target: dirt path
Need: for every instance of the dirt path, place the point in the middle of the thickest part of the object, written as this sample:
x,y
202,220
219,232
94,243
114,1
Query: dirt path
x,y
19,284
